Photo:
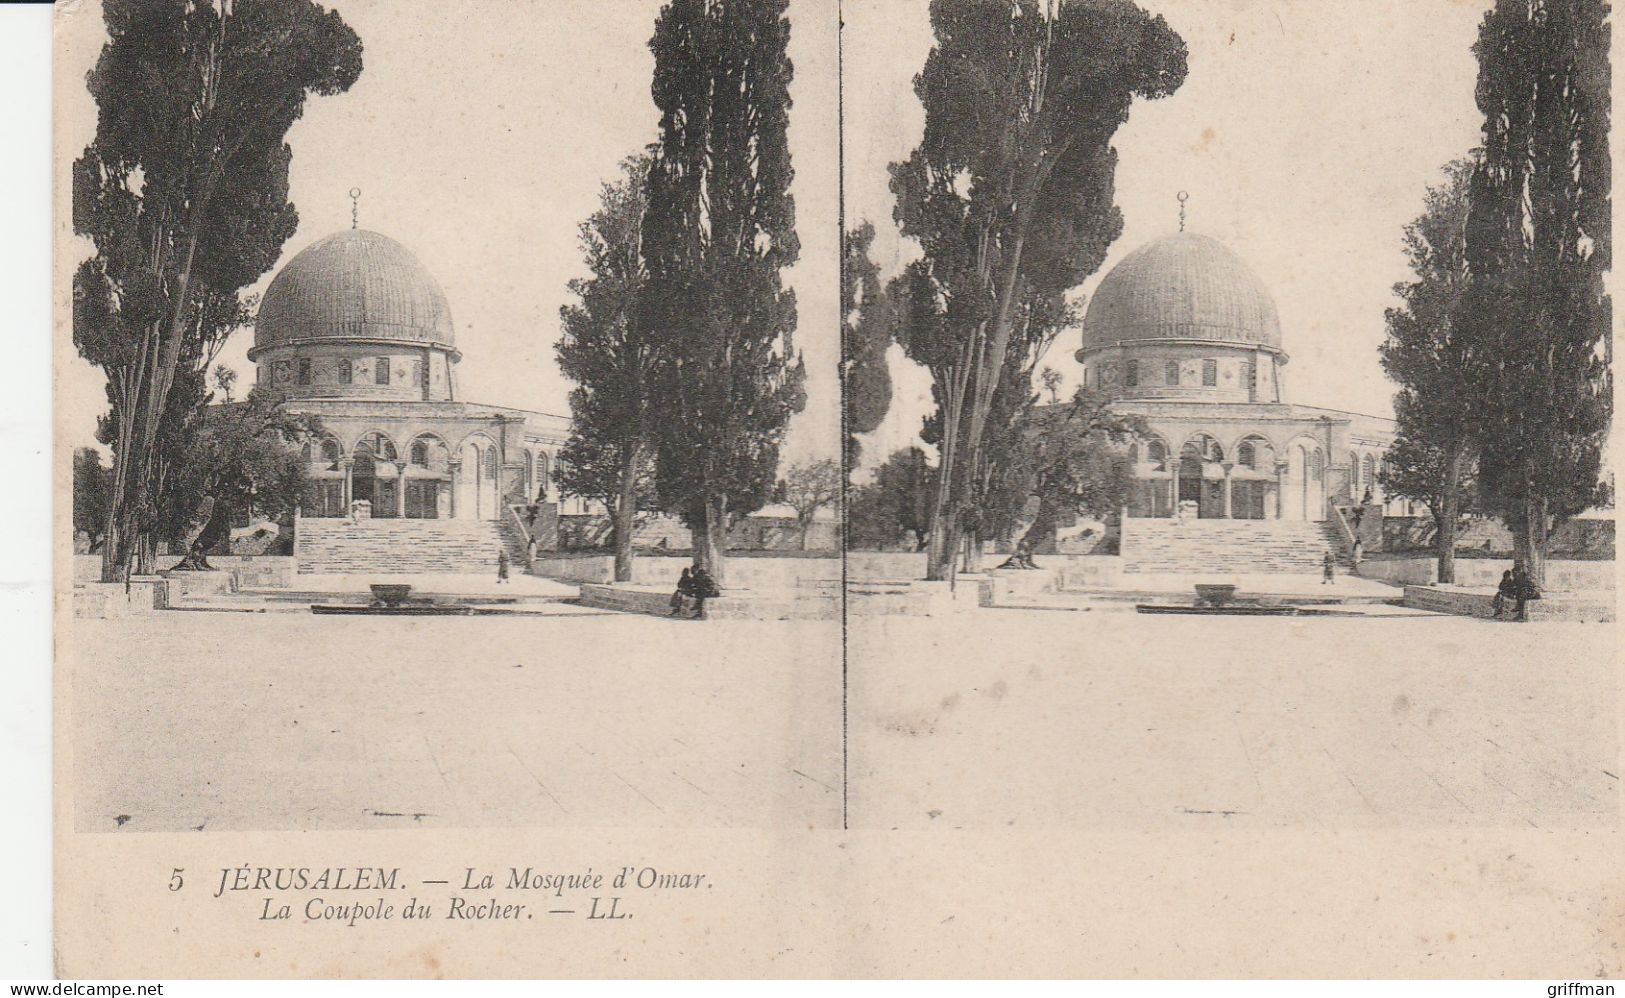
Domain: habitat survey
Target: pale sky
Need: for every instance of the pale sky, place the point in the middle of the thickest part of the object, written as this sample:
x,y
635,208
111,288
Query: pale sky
x,y
1306,134
479,133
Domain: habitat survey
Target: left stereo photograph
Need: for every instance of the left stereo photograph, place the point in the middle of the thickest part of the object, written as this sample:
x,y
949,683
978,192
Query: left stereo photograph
x,y
448,416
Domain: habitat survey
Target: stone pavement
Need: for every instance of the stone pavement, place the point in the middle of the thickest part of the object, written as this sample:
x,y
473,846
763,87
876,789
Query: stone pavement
x,y
1002,718
209,721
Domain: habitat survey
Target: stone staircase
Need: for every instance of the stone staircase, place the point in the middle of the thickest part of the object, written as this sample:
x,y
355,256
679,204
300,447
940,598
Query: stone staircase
x,y
404,547
1235,546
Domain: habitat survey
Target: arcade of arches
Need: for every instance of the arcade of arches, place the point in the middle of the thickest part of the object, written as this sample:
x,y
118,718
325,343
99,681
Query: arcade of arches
x,y
1182,334
356,332
1247,476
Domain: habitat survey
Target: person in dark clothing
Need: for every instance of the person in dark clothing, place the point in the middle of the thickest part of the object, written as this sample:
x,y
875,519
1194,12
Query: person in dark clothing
x,y
685,590
1326,565
704,588
1526,591
502,566
1506,592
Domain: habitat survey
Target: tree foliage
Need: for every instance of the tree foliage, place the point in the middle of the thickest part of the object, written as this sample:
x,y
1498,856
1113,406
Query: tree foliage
x,y
719,229
1430,352
1539,241
245,459
808,488
1010,196
92,491
1071,458
184,194
612,353
866,335
894,509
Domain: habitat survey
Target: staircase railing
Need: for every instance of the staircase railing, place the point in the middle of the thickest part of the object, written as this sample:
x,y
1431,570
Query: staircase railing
x,y
517,519
1345,533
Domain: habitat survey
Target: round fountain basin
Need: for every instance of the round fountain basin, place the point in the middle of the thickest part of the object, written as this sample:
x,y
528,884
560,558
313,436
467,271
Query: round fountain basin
x,y
1208,594
390,594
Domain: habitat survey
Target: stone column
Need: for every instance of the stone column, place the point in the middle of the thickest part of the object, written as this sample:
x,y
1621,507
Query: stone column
x,y
452,468
1228,467
1280,489
400,489
348,464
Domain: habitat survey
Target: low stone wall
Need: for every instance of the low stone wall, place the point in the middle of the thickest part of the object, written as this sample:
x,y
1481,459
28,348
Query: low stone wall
x,y
1481,604
251,571
585,532
916,597
184,584
1587,538
815,603
1068,570
893,565
742,573
1561,576
104,600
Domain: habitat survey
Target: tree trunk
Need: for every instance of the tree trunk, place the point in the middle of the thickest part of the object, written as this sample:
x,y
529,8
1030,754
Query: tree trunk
x,y
1444,539
942,546
1042,527
710,537
626,511
972,561
806,528
1529,543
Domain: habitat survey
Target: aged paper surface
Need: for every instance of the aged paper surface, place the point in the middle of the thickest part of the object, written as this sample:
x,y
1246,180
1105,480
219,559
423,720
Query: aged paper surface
x,y
527,782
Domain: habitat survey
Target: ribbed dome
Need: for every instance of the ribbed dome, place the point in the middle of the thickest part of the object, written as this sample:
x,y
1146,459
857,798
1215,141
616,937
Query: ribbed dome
x,y
353,284
1184,287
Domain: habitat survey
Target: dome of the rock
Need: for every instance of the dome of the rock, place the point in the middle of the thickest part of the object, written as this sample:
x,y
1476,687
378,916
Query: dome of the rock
x,y
1182,287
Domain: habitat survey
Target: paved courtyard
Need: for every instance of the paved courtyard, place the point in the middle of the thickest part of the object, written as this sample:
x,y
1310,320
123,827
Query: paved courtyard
x,y
218,720
1111,719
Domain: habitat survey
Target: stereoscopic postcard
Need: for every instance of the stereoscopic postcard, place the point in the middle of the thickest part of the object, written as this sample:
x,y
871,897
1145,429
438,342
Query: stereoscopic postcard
x,y
835,488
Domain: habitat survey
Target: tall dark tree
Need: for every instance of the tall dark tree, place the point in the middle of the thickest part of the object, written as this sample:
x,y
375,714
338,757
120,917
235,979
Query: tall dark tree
x,y
866,335
895,507
719,229
611,352
1539,241
1010,192
184,194
92,488
1432,355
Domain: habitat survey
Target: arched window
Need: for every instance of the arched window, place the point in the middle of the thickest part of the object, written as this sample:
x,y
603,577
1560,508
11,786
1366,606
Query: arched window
x,y
488,462
1158,453
377,445
1369,474
304,370
542,482
380,368
1316,465
1170,372
346,371
1245,454
1134,453
1210,373
430,453
1131,373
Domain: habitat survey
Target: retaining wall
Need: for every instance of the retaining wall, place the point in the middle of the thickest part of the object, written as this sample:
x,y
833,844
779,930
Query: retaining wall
x,y
1561,576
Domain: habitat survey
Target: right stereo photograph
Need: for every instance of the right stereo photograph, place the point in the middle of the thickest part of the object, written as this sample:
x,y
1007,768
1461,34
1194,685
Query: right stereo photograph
x,y
1227,402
